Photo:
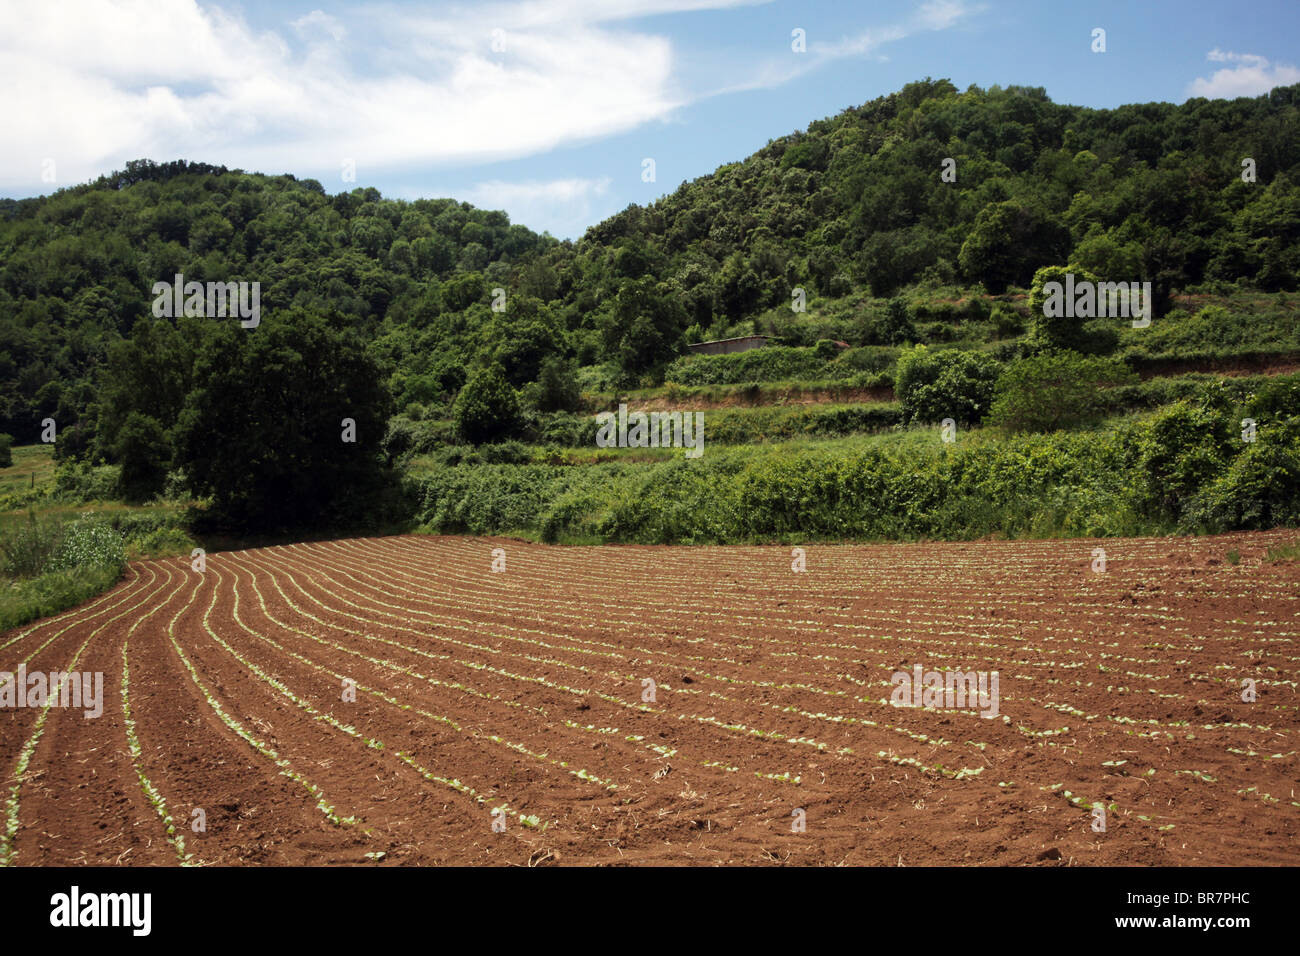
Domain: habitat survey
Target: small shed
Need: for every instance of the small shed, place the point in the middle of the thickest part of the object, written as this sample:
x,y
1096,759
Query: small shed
x,y
726,346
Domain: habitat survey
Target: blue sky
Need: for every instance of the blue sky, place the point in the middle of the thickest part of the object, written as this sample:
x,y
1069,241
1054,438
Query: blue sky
x,y
548,109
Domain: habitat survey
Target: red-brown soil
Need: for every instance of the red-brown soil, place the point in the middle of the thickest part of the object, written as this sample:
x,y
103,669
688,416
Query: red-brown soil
x,y
477,689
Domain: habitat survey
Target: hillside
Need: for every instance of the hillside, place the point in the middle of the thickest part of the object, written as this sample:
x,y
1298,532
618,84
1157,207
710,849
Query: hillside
x,y
435,326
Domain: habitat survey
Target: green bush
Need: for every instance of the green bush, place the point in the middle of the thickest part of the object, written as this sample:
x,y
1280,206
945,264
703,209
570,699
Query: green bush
x,y
1186,446
89,543
1060,332
487,408
1055,390
933,385
53,592
1006,320
81,482
6,451
27,548
1183,469
893,326
558,386
1261,488
1276,398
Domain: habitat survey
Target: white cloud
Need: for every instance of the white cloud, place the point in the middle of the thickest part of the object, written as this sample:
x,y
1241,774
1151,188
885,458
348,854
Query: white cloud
x,y
931,16
1252,76
564,207
320,20
91,84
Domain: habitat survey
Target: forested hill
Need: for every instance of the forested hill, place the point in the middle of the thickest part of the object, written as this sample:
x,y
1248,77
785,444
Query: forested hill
x,y
855,204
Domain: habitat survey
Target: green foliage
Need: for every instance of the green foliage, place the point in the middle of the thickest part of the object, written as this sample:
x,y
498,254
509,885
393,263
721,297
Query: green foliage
x,y
145,454
1176,470
558,386
779,363
893,327
79,482
53,592
1261,488
487,408
1186,446
1007,241
56,565
933,385
1276,398
6,451
263,435
89,543
1055,390
1006,321
1061,331
27,547
1147,191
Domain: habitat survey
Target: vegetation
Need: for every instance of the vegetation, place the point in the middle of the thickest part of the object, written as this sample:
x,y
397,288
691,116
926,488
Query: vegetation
x,y
933,385
472,352
909,485
1055,390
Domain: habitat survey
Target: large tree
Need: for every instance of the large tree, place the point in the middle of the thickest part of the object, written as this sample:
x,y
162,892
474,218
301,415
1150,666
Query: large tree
x,y
264,435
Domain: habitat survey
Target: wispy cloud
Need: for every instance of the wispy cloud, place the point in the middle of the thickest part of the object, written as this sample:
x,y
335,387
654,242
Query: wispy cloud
x,y
933,15
1250,76
90,84
566,206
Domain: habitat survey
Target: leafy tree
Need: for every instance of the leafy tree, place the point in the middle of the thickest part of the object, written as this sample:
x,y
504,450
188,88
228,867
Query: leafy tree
x,y
262,434
646,325
894,327
1061,332
558,383
487,408
145,453
1008,241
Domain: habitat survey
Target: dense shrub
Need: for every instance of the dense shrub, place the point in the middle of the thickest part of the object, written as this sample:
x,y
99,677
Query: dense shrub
x,y
1055,390
1261,488
558,386
1060,332
1184,468
89,543
775,423
1276,398
1185,446
80,482
933,385
6,451
487,408
892,326
27,547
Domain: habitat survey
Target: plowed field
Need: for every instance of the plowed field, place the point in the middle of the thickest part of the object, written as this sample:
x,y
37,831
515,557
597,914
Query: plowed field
x,y
226,692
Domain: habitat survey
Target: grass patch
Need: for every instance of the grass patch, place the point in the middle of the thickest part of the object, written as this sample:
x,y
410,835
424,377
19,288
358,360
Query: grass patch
x,y
1283,552
58,557
22,601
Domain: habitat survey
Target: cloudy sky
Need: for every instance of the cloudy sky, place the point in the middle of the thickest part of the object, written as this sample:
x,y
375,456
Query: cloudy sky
x,y
549,108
